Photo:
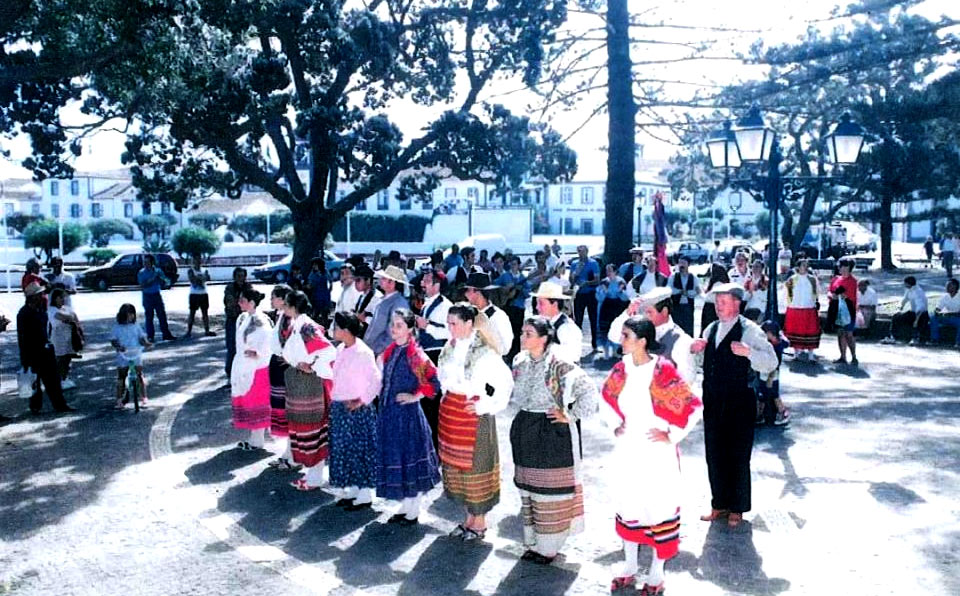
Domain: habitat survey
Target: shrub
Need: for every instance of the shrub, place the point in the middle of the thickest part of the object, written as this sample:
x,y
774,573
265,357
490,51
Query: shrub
x,y
194,241
101,230
99,256
43,237
208,221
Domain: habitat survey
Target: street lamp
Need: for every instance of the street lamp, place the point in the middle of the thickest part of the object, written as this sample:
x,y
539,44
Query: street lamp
x,y
735,202
753,142
640,197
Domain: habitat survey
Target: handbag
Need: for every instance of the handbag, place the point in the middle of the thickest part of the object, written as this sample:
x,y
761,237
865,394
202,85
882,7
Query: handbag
x,y
76,338
25,382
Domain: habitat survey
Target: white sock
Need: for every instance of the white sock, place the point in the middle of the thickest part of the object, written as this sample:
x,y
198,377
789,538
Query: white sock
x,y
350,492
314,475
287,453
404,507
630,551
655,577
362,495
257,437
413,508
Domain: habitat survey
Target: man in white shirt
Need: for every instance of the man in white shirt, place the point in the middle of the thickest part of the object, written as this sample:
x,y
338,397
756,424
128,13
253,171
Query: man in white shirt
x,y
433,320
368,297
947,313
62,278
675,343
649,279
739,273
550,299
685,288
476,292
913,315
348,290
866,304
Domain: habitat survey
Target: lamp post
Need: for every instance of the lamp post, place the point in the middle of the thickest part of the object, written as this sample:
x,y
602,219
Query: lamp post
x,y
640,196
735,202
753,142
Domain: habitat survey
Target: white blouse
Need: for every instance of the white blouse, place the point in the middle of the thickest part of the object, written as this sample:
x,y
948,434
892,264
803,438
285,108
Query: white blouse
x,y
803,293
253,333
295,351
489,369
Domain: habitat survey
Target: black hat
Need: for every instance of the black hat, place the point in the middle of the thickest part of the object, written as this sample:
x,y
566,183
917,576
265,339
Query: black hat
x,y
393,255
480,281
364,271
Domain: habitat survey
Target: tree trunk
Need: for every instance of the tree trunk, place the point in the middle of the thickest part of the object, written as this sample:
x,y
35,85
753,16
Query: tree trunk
x,y
886,233
311,224
619,203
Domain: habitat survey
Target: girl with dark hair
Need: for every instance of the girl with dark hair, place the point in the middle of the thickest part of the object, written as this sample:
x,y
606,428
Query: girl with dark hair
x,y
650,409
250,373
718,275
756,289
282,328
129,339
353,417
477,385
408,461
552,395
308,381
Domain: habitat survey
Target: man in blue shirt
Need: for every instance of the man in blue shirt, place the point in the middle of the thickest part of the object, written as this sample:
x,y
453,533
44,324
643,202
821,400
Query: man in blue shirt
x,y
151,281
585,277
517,290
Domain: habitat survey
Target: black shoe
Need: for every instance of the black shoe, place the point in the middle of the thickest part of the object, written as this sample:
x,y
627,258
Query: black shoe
x,y
4,419
406,521
170,338
65,409
396,518
343,502
35,412
358,506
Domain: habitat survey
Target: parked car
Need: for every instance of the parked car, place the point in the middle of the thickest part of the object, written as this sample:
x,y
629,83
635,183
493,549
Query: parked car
x,y
694,252
122,271
278,272
731,248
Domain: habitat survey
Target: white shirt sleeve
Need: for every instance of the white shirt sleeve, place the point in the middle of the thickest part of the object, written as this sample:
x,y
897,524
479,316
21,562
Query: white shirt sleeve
x,y
491,370
763,358
616,327
677,434
685,361
322,364
501,324
571,343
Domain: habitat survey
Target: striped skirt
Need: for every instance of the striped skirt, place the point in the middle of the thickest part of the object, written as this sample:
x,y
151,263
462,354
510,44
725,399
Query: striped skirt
x,y
278,397
474,482
251,411
663,537
307,408
546,471
802,328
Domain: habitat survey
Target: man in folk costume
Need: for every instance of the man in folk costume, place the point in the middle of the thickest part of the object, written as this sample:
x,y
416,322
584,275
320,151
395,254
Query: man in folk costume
x,y
731,346
550,299
477,291
392,280
433,336
647,280
650,409
685,288
368,297
656,306
802,321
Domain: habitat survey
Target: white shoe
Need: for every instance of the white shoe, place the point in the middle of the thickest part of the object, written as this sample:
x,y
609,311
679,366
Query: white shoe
x,y
69,384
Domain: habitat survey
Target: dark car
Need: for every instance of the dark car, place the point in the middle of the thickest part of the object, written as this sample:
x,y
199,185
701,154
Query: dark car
x,y
278,272
123,269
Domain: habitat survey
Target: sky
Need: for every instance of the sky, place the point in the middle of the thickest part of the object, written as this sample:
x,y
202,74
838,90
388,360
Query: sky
x,y
775,21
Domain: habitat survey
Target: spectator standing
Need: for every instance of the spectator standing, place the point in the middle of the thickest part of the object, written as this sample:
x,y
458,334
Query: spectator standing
x,y
296,281
62,279
757,287
484,261
454,259
560,277
152,281
63,325
648,279
199,299
348,290
584,278
739,273
517,290
928,251
32,275
231,308
392,280
685,288
611,301
36,351
848,299
947,313
634,267
948,247
913,314
318,285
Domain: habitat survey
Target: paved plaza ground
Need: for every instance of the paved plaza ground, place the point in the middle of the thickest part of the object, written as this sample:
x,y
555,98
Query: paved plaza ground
x,y
858,496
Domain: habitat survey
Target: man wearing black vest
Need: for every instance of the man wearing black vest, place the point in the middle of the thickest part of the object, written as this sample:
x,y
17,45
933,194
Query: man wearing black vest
x,y
685,288
433,336
550,299
477,292
633,268
731,346
369,297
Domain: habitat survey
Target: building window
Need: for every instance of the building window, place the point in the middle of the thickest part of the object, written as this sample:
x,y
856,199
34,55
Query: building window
x,y
427,203
128,210
146,208
54,210
566,195
35,209
406,205
383,200
54,188
586,227
361,206
164,207
586,195
473,192
75,188
450,193
96,210
567,226
75,210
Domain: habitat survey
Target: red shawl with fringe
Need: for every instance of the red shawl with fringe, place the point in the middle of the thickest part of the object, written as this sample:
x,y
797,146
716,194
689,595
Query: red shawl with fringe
x,y
671,396
421,366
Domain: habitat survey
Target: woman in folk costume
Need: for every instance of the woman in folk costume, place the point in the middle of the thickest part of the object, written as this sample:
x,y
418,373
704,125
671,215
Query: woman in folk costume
x,y
476,385
408,461
250,375
308,383
282,327
802,323
353,417
651,410
551,395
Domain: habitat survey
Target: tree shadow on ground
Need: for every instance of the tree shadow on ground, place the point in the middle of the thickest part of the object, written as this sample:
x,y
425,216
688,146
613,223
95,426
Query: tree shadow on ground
x,y
446,567
775,440
531,579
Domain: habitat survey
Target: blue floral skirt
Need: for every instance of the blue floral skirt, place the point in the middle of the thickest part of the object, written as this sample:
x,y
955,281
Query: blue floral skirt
x,y
353,446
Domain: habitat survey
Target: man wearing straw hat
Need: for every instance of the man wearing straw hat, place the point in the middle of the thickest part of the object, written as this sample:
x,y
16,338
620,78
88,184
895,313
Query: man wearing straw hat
x,y
550,299
731,346
476,291
392,280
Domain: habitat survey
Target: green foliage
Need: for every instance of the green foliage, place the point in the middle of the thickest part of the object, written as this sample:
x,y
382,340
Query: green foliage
x,y
208,221
156,245
43,237
99,256
194,241
155,224
19,221
101,230
251,227
381,228
284,236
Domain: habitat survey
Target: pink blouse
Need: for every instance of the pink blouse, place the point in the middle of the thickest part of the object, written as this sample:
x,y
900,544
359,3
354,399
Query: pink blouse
x,y
355,373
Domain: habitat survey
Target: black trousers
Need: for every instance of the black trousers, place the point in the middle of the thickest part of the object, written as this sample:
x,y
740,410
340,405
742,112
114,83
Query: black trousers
x,y
586,301
230,336
728,437
48,377
683,317
905,326
431,407
515,314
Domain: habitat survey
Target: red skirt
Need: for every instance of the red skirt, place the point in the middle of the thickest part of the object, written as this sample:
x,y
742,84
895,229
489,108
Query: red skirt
x,y
663,537
252,410
458,432
802,328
